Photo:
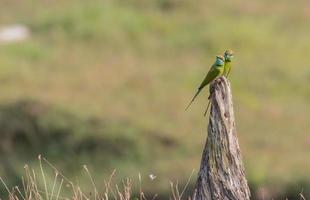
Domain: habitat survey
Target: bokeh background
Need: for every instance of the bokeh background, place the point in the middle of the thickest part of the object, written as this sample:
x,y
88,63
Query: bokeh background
x,y
105,83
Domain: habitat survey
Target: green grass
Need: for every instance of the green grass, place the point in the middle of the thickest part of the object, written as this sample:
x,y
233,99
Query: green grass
x,y
134,65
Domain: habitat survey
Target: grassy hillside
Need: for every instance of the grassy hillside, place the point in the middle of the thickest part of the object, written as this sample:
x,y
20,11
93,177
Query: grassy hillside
x,y
111,80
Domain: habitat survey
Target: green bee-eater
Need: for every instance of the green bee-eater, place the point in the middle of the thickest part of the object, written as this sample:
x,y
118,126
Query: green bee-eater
x,y
216,70
228,55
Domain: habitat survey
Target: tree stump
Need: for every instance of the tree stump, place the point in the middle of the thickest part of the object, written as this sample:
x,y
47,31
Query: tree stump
x,y
221,175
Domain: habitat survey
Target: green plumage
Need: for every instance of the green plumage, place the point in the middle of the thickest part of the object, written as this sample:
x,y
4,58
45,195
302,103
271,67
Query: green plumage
x,y
228,55
227,68
216,70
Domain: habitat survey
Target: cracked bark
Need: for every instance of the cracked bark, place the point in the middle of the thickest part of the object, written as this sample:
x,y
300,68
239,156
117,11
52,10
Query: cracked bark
x,y
221,175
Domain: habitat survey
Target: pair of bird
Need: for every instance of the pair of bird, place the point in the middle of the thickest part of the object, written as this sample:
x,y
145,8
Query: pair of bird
x,y
222,66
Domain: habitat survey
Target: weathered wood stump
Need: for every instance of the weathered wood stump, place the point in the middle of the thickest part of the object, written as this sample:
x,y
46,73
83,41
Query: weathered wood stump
x,y
221,175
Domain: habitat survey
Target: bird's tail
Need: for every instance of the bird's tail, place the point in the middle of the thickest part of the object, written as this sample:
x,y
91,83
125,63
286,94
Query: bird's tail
x,y
207,109
193,98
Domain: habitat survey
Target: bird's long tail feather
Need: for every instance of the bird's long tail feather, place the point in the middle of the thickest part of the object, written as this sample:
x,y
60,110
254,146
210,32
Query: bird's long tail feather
x,y
207,109
193,99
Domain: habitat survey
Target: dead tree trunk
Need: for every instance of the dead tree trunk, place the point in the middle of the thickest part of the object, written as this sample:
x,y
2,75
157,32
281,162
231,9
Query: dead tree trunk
x,y
221,175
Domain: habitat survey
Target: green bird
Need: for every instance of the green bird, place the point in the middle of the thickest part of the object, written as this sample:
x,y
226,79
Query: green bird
x,y
216,70
228,55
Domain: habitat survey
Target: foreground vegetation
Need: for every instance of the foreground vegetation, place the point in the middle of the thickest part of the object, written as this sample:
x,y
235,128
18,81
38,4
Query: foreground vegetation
x,y
32,182
35,186
106,82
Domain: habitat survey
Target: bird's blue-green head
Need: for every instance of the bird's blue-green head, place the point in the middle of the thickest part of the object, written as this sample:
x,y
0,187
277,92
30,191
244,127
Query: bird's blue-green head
x,y
220,61
228,55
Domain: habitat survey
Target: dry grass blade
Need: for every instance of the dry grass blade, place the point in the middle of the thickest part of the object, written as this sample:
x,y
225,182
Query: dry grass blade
x,y
172,191
44,180
177,190
141,193
17,189
187,183
92,181
54,184
64,177
302,196
59,189
6,187
108,186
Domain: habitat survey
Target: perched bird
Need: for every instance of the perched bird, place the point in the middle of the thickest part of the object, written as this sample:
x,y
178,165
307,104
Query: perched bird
x,y
228,55
216,70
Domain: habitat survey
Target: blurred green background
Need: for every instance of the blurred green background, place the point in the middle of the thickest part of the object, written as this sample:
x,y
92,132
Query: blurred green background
x,y
105,83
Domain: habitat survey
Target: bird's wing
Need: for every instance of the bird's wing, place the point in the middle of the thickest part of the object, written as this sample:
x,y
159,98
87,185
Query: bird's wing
x,y
212,74
227,68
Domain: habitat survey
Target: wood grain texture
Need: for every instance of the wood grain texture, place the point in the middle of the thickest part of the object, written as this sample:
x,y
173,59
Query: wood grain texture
x,y
221,175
